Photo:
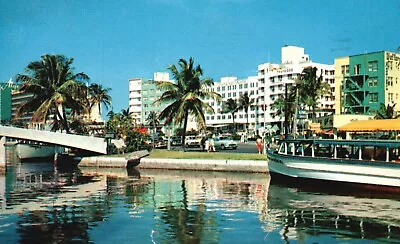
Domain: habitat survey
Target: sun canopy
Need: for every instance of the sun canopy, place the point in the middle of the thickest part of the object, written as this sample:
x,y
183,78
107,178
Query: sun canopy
x,y
372,125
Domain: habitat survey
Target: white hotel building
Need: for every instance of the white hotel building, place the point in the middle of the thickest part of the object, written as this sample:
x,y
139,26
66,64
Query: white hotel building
x,y
266,87
263,89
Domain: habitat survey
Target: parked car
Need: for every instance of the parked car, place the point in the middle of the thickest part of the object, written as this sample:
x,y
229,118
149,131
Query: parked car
x,y
176,141
224,142
192,141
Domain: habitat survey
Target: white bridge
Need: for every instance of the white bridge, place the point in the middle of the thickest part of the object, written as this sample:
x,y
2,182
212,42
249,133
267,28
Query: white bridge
x,y
88,143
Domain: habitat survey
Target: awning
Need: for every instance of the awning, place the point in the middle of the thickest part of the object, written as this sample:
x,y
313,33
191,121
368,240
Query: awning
x,y
372,125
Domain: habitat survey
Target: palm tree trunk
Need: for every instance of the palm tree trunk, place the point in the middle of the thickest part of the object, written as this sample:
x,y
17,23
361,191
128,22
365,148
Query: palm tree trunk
x,y
184,130
234,125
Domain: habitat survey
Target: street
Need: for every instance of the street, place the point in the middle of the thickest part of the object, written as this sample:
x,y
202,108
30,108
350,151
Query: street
x,y
249,147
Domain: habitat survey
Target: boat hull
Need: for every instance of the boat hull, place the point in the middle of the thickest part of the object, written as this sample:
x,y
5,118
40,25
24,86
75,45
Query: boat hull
x,y
34,151
372,175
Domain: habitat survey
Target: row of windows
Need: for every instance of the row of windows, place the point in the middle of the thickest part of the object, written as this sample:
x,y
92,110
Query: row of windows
x,y
233,87
372,67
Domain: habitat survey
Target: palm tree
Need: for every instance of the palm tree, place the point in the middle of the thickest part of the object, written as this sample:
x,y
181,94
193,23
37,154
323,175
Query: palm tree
x,y
244,103
99,95
386,112
54,87
186,95
153,122
285,106
231,106
311,87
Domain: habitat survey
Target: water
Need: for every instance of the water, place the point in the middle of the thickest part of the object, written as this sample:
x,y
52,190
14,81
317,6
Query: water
x,y
40,204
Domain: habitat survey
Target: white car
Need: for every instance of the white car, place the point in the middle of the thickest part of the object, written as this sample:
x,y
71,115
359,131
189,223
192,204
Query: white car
x,y
192,141
224,142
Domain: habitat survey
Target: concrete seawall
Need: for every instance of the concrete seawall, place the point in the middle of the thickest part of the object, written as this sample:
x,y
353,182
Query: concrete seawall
x,y
251,166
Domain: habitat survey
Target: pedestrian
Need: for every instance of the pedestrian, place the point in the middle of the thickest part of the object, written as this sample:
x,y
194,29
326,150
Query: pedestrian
x,y
259,145
212,145
203,143
207,146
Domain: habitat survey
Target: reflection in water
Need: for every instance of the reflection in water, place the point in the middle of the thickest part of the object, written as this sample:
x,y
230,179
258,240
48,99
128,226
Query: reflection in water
x,y
46,205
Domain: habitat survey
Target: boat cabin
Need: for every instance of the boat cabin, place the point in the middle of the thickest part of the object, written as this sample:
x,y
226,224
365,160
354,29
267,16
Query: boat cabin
x,y
367,150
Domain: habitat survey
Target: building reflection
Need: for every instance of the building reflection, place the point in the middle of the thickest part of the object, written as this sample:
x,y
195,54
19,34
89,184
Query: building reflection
x,y
184,206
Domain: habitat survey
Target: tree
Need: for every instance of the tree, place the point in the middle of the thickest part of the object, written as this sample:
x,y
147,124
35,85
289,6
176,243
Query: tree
x,y
185,97
54,87
310,88
153,122
285,106
99,95
231,106
386,112
244,103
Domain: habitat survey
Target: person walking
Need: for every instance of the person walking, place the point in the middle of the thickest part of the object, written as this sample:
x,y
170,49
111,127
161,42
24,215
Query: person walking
x,y
211,146
203,143
259,145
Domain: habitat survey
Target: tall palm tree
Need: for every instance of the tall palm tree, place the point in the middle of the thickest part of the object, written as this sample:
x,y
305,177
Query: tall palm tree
x,y
153,122
99,95
244,103
231,106
186,95
54,87
311,87
285,106
386,112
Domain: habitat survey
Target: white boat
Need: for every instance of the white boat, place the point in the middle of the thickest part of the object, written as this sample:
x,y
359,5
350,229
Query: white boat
x,y
35,151
371,164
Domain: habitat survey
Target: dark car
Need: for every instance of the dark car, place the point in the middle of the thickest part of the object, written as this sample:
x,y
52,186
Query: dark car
x,y
176,141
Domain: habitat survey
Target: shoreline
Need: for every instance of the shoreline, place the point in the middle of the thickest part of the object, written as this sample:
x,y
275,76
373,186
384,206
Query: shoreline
x,y
140,160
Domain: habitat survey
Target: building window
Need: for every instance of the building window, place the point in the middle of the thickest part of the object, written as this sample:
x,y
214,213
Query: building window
x,y
373,81
357,69
373,97
223,88
240,86
223,116
373,66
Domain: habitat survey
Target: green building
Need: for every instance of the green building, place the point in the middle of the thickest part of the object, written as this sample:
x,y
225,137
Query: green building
x,y
363,82
5,102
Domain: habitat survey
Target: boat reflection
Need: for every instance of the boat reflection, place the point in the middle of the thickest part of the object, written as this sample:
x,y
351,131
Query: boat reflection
x,y
312,210
80,205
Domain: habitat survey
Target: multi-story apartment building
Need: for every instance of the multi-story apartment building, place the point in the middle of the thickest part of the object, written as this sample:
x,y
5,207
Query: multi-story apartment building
x,y
142,94
263,89
365,81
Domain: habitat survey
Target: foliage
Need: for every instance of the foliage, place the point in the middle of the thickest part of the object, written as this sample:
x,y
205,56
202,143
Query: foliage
x,y
99,95
244,103
54,87
136,139
186,95
310,88
78,126
386,112
124,127
231,106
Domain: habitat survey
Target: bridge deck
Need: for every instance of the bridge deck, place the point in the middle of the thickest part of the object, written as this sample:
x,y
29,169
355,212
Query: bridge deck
x,y
93,144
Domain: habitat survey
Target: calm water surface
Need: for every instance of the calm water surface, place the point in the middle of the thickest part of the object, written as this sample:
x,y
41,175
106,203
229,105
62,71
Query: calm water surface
x,y
40,204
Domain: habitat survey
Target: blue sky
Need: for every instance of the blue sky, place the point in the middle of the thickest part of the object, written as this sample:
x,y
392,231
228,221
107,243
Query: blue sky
x,y
114,40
